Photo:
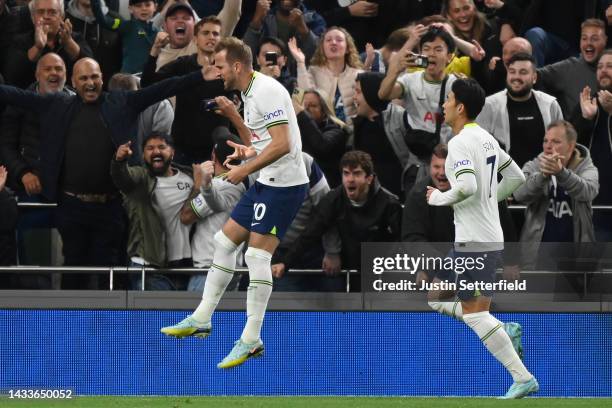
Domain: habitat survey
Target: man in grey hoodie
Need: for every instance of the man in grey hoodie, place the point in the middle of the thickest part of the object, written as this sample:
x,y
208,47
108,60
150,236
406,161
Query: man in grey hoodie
x,y
560,187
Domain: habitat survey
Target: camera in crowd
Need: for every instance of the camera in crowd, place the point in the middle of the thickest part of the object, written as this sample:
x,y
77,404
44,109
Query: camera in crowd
x,y
420,61
271,58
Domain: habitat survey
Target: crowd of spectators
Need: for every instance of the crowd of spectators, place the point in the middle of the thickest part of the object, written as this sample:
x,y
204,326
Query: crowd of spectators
x,y
106,111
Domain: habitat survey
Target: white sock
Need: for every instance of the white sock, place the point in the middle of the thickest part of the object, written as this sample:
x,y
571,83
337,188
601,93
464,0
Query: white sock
x,y
491,332
219,276
258,293
452,309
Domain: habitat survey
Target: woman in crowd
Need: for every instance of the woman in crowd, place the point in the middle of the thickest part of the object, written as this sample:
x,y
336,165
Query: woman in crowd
x,y
471,25
323,134
333,69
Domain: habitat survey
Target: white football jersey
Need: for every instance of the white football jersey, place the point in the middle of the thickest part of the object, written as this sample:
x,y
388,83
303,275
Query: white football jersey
x,y
267,104
168,198
421,99
474,150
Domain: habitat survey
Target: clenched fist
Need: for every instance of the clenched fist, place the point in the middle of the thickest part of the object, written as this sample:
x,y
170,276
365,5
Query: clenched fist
x,y
124,151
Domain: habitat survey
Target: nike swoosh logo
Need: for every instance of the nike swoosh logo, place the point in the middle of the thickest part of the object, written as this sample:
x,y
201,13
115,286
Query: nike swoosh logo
x,y
255,223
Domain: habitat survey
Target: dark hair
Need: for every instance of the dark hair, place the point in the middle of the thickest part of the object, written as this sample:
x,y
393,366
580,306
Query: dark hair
x,y
274,41
125,82
522,56
162,136
206,20
434,18
237,51
220,135
356,158
570,131
440,151
469,93
436,32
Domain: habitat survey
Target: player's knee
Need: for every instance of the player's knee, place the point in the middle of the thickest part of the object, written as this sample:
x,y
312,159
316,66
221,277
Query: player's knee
x,y
259,263
222,241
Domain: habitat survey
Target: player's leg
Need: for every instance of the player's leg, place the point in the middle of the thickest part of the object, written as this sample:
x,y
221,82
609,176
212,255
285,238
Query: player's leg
x,y
274,211
258,258
234,232
444,301
222,269
476,306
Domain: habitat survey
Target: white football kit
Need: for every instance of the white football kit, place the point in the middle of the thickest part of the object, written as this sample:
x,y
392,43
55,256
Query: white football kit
x,y
267,104
475,155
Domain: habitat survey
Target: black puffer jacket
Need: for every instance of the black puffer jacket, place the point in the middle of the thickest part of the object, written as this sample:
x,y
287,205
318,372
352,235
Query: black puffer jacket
x,y
20,142
325,142
379,220
8,223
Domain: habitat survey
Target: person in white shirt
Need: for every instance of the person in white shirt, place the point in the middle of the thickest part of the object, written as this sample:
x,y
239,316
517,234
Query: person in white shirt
x,y
154,195
473,162
420,91
212,202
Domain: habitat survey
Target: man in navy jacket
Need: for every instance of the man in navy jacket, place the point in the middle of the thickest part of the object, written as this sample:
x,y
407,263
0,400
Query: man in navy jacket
x,y
79,135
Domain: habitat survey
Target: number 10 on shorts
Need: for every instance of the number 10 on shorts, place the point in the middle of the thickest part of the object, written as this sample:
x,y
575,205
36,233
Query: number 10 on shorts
x,y
259,210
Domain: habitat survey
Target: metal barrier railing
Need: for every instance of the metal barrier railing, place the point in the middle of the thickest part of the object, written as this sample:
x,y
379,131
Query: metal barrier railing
x,y
144,270
514,207
111,270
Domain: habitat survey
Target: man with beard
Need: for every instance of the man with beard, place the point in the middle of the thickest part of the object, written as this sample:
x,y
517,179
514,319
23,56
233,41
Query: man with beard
x,y
594,127
192,147
518,116
495,79
566,79
154,196
289,18
89,213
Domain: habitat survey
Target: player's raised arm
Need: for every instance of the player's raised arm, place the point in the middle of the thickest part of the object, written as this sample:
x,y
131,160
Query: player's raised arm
x,y
512,175
227,108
